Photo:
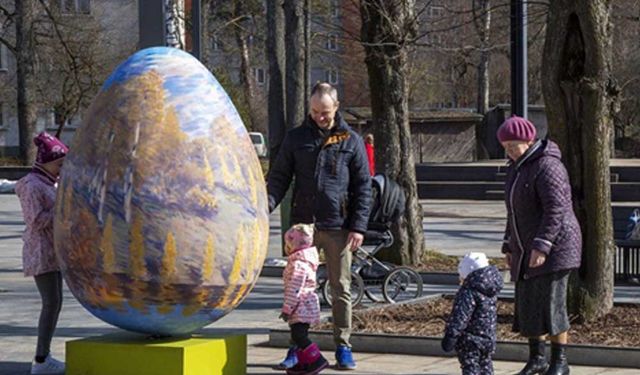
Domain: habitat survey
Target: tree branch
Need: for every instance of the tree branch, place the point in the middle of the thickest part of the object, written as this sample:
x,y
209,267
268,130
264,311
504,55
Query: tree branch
x,y
5,12
8,45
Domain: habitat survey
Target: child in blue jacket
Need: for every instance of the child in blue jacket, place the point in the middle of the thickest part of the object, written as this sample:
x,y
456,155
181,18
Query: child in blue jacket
x,y
471,329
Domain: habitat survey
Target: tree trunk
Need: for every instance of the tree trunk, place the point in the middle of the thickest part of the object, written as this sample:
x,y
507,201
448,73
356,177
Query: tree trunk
x,y
27,109
483,28
295,60
246,78
276,56
277,96
307,54
578,91
387,69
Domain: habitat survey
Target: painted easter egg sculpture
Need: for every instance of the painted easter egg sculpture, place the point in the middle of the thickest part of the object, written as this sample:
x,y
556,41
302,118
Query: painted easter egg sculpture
x,y
161,220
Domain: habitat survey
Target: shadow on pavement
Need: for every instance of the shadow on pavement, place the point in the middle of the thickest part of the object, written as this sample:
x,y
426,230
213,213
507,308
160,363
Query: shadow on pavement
x,y
9,330
15,368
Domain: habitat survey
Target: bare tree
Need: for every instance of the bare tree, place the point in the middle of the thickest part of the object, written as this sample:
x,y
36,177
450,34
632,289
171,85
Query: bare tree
x,y
626,68
307,53
388,28
483,27
23,48
236,27
56,64
70,56
242,29
578,89
276,56
294,14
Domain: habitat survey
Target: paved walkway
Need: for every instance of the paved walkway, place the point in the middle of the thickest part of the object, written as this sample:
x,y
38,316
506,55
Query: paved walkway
x,y
453,227
19,309
502,162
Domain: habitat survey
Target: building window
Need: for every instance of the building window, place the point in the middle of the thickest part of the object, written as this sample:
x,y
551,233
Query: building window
x,y
216,45
3,58
332,77
442,105
435,12
260,76
75,6
434,39
335,8
52,120
332,42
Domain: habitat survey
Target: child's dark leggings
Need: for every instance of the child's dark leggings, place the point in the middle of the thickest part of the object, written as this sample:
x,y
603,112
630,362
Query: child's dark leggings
x,y
50,287
300,335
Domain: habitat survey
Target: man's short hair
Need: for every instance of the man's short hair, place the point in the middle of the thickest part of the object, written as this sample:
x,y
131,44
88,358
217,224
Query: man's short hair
x,y
323,88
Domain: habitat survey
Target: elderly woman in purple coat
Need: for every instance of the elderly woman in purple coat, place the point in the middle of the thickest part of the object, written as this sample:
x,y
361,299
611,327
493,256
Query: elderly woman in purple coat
x,y
542,242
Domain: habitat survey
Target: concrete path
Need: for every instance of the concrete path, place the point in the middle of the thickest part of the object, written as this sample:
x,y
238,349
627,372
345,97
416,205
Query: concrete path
x,y
453,227
20,304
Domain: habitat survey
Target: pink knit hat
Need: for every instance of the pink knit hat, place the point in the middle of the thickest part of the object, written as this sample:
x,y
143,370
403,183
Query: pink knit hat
x,y
50,148
299,236
516,129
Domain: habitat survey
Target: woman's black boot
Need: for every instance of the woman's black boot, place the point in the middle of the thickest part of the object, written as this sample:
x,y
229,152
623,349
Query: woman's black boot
x,y
537,363
559,364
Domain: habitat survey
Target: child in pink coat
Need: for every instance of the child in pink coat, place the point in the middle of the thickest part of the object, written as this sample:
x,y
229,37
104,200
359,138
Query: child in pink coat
x,y
37,194
301,306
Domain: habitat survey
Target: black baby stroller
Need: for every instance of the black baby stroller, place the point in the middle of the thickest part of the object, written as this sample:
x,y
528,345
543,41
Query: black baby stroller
x,y
378,280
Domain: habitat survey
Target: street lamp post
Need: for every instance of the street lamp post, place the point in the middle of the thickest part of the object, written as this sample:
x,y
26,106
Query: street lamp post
x,y
519,84
196,32
152,23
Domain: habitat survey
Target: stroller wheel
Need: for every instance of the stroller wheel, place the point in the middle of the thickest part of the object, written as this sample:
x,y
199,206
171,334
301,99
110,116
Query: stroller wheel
x,y
373,291
402,284
357,290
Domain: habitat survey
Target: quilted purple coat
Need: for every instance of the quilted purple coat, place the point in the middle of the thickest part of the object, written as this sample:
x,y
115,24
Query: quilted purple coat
x,y
540,213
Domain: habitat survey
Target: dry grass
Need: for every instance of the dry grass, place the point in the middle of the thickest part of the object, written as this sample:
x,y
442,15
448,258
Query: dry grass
x,y
435,261
621,327
7,161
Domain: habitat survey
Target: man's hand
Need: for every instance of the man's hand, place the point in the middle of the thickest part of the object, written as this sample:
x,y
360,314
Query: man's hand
x,y
354,241
537,259
508,259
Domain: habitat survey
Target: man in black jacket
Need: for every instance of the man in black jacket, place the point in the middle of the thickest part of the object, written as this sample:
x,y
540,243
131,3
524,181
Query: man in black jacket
x,y
332,189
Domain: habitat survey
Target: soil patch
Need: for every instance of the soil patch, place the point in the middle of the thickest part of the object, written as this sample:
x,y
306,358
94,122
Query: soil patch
x,y
434,261
621,327
10,162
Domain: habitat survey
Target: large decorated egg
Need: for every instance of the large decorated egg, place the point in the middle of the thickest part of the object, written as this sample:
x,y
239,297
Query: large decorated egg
x,y
161,221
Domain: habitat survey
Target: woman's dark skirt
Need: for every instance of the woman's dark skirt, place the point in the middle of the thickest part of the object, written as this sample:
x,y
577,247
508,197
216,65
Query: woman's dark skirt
x,y
541,305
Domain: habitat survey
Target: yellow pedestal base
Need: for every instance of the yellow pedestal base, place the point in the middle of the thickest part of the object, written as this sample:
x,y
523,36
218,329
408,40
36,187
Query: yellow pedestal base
x,y
127,354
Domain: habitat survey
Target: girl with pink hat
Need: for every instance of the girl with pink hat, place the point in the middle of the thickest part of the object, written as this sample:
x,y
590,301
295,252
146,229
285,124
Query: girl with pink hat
x,y
301,306
37,194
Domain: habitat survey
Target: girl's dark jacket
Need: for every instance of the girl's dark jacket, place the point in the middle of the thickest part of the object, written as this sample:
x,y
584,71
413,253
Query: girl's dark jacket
x,y
540,213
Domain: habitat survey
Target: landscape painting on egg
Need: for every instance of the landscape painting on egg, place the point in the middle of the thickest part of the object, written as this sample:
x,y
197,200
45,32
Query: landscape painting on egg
x,y
162,222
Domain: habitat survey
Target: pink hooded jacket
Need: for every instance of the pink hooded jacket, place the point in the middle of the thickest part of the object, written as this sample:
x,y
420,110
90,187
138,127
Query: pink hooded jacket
x,y
300,299
37,195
